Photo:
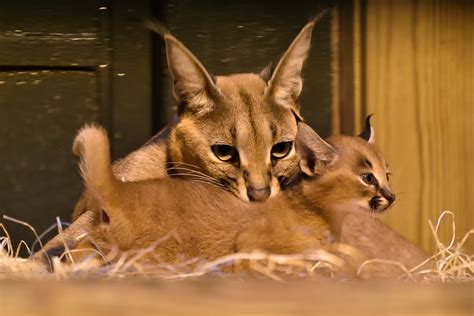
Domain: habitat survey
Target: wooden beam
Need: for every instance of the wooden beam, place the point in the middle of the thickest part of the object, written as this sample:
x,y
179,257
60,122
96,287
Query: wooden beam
x,y
232,297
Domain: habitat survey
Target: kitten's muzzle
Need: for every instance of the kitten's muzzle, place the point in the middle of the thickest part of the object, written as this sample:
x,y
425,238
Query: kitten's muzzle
x,y
388,195
258,195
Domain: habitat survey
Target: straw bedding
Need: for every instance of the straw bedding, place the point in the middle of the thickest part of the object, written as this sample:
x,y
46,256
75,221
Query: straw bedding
x,y
452,263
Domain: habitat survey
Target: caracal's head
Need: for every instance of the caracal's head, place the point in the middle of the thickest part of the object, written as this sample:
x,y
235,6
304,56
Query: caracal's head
x,y
347,173
238,129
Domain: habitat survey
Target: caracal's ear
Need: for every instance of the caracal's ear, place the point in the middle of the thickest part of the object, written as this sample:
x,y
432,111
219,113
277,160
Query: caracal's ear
x,y
368,133
313,152
194,87
284,81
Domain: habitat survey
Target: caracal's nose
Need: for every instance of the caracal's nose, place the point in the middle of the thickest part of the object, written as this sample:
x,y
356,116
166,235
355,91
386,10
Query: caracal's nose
x,y
258,194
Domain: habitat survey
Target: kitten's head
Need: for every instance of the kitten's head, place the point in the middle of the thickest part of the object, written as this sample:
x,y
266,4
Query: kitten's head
x,y
348,173
238,129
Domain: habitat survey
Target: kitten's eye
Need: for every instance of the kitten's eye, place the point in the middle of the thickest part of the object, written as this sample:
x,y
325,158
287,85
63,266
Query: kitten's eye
x,y
281,150
225,152
369,178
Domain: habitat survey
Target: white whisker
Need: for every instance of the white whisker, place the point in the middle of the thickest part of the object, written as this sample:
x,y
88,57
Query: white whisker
x,y
184,164
210,183
191,176
191,170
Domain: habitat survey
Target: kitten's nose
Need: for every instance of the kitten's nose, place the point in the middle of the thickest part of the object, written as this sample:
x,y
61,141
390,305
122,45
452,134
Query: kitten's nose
x,y
258,195
388,195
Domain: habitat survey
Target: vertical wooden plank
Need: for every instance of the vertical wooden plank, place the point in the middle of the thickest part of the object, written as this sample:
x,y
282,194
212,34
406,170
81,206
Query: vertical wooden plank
x,y
419,83
347,80
336,112
357,62
131,71
345,69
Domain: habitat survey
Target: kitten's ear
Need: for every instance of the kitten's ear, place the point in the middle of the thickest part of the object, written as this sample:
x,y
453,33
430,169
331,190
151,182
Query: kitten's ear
x,y
368,133
194,87
284,82
313,152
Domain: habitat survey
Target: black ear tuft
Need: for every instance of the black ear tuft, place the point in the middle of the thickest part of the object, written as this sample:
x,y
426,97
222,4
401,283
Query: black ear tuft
x,y
367,133
267,72
317,17
156,26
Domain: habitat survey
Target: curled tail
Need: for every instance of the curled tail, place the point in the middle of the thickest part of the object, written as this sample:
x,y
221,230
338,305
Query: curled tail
x,y
93,147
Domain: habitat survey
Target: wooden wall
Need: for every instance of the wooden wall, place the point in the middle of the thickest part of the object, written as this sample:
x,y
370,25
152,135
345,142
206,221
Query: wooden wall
x,y
415,70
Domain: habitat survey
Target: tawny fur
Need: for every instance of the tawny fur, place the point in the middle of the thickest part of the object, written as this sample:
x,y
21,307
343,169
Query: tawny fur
x,y
342,198
204,221
375,240
250,112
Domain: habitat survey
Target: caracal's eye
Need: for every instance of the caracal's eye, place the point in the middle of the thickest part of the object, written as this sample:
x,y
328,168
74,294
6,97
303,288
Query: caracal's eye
x,y
369,178
225,152
281,150
388,176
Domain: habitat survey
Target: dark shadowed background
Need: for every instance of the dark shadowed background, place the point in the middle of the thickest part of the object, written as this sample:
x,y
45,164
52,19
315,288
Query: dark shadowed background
x,y
65,63
411,62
